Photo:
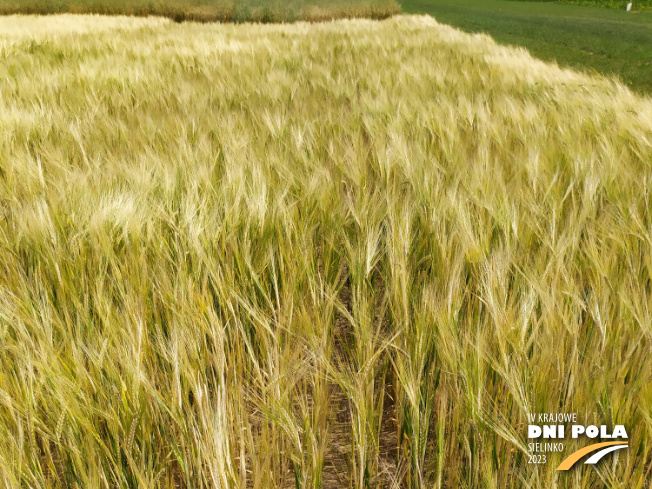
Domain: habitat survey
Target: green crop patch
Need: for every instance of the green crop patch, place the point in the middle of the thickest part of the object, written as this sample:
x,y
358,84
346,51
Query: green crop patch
x,y
607,41
212,10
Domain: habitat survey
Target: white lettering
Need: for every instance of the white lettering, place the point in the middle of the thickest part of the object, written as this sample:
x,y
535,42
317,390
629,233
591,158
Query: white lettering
x,y
619,431
533,431
592,431
577,430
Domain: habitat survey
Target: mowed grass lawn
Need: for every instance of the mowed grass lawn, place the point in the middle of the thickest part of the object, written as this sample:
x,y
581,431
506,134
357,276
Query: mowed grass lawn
x,y
611,42
350,254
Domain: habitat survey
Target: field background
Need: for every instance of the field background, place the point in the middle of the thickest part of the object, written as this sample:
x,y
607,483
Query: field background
x,y
637,5
607,41
351,254
212,10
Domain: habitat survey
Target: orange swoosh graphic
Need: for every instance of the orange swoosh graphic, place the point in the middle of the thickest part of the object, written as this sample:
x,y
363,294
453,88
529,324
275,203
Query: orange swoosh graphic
x,y
575,456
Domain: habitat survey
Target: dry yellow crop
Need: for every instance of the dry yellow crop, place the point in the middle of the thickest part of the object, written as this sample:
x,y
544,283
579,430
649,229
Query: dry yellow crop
x,y
349,254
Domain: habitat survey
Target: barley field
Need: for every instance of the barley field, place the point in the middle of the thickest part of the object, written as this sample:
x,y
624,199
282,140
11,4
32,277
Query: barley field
x,y
353,254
